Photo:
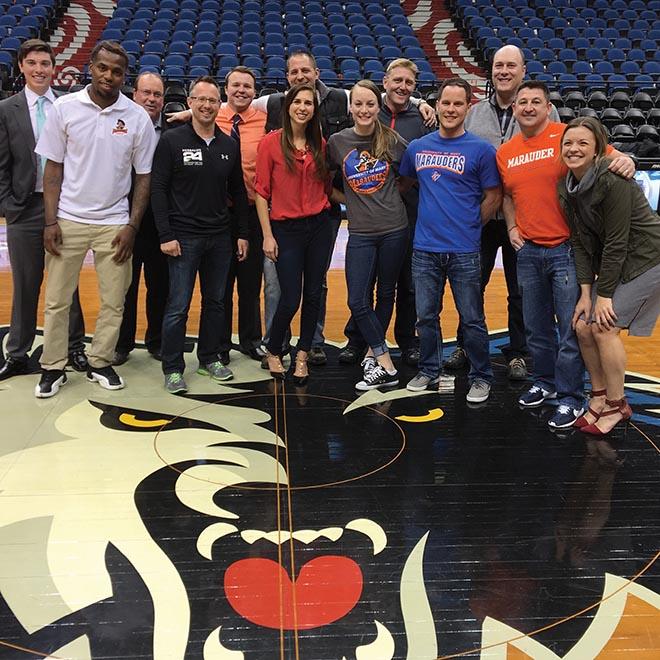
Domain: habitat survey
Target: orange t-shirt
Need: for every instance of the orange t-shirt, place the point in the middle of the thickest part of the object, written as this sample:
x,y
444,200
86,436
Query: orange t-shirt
x,y
530,169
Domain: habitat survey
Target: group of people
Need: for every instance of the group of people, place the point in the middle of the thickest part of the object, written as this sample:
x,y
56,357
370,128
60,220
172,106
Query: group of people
x,y
252,187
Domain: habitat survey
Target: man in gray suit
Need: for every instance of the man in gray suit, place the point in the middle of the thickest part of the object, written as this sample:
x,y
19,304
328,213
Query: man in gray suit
x,y
21,202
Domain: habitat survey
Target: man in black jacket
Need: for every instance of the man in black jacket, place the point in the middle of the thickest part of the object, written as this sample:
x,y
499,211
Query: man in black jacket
x,y
196,167
147,257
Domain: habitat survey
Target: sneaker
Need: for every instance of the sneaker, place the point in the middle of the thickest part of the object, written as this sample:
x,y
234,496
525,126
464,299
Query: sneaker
x,y
106,377
174,383
376,378
317,356
78,360
516,369
421,382
535,396
49,384
216,370
368,364
410,357
119,358
349,355
565,416
479,391
457,360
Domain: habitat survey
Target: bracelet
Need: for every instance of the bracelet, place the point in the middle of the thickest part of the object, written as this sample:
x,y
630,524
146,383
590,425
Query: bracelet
x,y
52,224
128,224
510,228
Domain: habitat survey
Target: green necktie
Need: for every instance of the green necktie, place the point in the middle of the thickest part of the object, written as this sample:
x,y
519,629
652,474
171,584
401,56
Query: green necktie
x,y
41,120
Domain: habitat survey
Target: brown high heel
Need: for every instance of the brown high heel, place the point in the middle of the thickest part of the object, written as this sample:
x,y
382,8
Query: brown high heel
x,y
581,422
301,365
620,406
275,366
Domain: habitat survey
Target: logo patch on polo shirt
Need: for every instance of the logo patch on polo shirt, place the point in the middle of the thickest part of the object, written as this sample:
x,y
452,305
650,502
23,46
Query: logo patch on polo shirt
x,y
120,128
192,157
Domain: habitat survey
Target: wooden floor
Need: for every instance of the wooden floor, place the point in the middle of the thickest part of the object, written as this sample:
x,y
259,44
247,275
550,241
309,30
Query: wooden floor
x,y
643,353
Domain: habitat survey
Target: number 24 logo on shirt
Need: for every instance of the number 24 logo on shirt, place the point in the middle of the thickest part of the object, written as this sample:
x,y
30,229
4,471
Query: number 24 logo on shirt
x,y
192,156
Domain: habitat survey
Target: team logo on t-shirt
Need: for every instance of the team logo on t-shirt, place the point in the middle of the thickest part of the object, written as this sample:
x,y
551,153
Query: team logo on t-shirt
x,y
192,157
364,173
438,160
120,128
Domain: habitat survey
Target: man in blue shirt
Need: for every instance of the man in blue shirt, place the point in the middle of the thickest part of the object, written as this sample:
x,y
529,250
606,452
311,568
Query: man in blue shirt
x,y
458,186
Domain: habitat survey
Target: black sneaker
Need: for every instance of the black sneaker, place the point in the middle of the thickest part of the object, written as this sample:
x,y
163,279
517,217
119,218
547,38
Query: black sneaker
x,y
350,355
106,377
457,360
50,382
78,360
376,378
317,356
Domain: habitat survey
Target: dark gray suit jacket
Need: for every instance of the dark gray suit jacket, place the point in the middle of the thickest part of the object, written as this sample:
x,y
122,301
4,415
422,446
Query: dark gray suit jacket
x,y
18,162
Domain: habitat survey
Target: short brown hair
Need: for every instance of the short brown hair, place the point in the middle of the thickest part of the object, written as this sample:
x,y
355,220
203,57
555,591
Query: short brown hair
x,y
456,82
203,79
301,53
32,45
241,69
148,73
113,47
535,84
596,128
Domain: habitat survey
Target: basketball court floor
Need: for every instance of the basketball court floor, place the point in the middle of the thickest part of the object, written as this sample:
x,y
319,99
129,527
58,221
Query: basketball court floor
x,y
259,521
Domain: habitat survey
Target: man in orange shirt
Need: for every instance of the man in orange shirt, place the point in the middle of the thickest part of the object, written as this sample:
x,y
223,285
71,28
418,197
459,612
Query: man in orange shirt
x,y
247,126
530,168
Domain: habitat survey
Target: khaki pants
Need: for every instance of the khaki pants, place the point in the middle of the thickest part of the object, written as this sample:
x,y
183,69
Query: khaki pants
x,y
63,273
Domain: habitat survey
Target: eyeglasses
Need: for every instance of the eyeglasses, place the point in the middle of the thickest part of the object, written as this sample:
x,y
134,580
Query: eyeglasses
x,y
205,99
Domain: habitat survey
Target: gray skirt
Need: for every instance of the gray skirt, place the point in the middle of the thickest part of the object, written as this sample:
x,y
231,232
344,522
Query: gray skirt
x,y
636,303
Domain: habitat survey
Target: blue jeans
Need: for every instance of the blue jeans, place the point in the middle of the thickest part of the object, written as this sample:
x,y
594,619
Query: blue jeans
x,y
370,258
211,257
303,248
549,288
431,270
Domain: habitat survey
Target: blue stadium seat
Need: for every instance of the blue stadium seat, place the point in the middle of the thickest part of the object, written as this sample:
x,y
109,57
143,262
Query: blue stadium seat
x,y
154,48
150,59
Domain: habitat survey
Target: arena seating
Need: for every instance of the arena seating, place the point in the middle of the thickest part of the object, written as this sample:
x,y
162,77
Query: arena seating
x,y
189,38
600,56
21,20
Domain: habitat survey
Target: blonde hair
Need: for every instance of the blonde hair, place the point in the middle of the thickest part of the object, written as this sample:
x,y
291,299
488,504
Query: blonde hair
x,y
402,62
383,138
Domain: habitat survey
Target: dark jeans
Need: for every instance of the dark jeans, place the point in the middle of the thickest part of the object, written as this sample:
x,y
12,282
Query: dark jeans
x,y
549,288
147,258
431,270
368,259
334,216
493,236
304,245
210,256
406,316
247,277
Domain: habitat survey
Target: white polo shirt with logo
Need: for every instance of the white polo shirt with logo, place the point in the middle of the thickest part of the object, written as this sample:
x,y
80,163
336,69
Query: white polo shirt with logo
x,y
98,148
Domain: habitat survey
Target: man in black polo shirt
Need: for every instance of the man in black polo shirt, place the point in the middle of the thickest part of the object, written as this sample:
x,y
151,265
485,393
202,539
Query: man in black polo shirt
x,y
196,167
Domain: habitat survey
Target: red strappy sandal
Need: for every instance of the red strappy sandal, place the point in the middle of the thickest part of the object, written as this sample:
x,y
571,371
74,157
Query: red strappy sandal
x,y
581,422
620,406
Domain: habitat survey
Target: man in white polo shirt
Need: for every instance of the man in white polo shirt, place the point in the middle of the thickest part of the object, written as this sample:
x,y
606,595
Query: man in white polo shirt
x,y
92,139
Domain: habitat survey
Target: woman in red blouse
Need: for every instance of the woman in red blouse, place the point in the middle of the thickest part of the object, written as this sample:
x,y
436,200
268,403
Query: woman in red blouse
x,y
291,199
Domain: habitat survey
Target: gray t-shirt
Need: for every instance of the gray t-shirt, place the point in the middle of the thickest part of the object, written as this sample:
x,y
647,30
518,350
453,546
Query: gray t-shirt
x,y
373,202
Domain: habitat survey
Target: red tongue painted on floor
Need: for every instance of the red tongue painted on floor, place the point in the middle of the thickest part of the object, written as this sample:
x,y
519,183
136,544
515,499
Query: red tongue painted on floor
x,y
326,589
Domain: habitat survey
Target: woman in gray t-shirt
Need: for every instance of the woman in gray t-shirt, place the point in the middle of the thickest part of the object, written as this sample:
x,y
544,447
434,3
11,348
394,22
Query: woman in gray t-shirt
x,y
367,155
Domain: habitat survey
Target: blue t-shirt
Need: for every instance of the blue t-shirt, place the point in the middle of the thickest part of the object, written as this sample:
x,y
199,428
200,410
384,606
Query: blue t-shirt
x,y
452,175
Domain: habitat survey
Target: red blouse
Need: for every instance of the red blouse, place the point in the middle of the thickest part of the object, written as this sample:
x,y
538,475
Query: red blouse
x,y
296,193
